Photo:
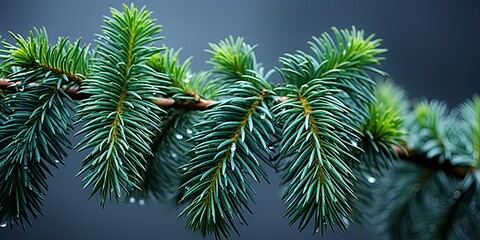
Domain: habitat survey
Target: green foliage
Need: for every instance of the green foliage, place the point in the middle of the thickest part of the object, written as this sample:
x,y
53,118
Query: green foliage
x,y
341,62
183,85
232,59
434,132
119,115
315,136
327,93
161,177
333,133
382,130
470,115
440,201
232,140
417,203
37,120
384,127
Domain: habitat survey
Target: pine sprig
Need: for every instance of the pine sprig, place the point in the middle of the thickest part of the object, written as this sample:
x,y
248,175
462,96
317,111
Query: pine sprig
x,y
34,138
232,140
120,113
315,143
34,135
232,59
384,127
433,130
342,62
72,61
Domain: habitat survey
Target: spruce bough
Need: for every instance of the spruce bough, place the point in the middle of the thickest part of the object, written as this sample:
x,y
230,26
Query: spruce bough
x,y
347,143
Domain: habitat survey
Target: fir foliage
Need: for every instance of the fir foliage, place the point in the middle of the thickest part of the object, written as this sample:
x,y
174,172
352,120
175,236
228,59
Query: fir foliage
x,y
441,201
347,148
233,138
117,119
34,134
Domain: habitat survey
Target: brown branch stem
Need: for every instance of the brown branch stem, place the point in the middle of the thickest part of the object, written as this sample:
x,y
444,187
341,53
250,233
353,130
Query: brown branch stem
x,y
75,94
434,163
203,104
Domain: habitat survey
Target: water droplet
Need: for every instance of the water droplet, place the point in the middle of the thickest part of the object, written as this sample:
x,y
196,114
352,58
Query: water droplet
x,y
371,179
131,200
141,202
457,194
432,227
56,161
188,76
346,221
179,136
184,169
14,96
21,88
354,143
233,147
316,230
271,147
262,116
25,167
3,224
174,155
189,131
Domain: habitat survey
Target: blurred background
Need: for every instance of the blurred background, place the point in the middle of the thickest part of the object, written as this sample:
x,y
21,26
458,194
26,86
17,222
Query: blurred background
x,y
433,53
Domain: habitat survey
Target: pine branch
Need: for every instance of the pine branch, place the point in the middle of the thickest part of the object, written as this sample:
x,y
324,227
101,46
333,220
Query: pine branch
x,y
232,141
118,120
34,134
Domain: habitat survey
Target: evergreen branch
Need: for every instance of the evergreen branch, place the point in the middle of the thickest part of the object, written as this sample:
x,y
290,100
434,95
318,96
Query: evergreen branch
x,y
383,131
403,152
316,137
215,183
33,136
116,116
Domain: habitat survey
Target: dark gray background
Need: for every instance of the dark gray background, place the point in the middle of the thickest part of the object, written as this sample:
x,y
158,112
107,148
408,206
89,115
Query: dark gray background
x,y
433,52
